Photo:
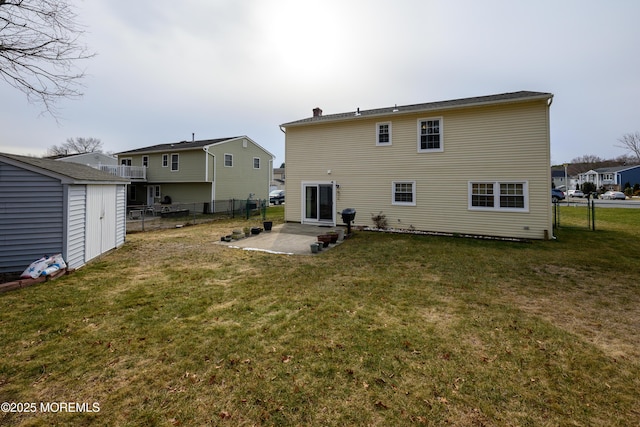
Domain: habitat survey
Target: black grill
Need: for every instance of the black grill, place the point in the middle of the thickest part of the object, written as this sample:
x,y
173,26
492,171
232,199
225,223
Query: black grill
x,y
348,216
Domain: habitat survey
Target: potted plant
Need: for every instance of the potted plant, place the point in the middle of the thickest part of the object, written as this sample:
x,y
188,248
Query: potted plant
x,y
325,239
333,235
314,247
267,225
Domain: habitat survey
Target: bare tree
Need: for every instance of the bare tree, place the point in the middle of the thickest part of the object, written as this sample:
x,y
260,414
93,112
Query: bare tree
x,y
588,158
631,143
76,146
39,50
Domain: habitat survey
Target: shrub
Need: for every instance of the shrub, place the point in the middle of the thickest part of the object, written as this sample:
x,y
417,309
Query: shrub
x,y
380,220
588,187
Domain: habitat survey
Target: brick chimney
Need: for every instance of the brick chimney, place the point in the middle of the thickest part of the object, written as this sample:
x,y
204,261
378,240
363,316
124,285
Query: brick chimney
x,y
317,112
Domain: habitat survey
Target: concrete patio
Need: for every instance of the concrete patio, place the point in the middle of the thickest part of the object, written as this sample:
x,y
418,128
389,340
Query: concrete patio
x,y
288,238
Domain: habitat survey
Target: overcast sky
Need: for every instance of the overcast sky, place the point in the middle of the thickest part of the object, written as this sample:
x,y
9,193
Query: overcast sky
x,y
222,68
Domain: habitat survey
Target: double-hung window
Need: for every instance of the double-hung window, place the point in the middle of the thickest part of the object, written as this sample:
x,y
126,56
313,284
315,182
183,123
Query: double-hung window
x,y
403,193
256,162
383,133
228,160
165,160
430,135
175,161
499,195
145,161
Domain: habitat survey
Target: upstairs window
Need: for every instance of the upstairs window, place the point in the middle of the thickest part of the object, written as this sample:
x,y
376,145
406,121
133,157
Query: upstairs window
x,y
383,133
228,160
165,160
175,159
430,134
256,162
145,161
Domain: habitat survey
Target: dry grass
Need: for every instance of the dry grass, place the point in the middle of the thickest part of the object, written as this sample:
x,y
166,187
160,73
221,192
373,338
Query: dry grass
x,y
173,329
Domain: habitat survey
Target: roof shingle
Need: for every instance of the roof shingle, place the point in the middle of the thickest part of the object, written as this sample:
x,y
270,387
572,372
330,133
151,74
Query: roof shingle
x,y
439,105
75,171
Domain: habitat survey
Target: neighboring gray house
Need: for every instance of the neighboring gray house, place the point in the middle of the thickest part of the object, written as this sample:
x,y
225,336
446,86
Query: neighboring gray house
x,y
49,207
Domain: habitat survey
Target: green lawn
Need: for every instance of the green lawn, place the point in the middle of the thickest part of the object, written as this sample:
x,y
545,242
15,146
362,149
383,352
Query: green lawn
x,y
382,330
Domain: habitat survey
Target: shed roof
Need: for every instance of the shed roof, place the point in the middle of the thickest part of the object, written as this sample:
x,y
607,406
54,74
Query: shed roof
x,y
430,106
74,171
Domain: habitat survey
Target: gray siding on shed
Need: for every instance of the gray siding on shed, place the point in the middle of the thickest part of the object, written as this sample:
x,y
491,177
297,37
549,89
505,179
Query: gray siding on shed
x,y
31,217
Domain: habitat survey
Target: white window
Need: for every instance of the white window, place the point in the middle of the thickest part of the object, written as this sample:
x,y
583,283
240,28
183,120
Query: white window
x,y
228,160
499,195
403,193
256,162
165,160
145,161
383,133
430,134
175,161
125,162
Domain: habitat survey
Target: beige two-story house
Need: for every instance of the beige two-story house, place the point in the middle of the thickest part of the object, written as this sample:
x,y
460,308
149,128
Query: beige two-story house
x,y
477,166
201,172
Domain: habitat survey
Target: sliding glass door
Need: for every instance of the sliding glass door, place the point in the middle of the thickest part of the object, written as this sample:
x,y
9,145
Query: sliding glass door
x,y
318,203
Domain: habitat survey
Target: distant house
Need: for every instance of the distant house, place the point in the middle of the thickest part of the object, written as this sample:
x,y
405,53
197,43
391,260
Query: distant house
x,y
200,171
90,159
562,182
474,166
49,207
278,180
612,178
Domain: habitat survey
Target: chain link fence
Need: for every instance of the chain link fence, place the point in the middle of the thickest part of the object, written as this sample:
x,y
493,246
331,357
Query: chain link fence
x,y
580,212
163,216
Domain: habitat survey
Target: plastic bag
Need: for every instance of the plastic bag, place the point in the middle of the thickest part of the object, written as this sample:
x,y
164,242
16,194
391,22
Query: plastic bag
x,y
44,266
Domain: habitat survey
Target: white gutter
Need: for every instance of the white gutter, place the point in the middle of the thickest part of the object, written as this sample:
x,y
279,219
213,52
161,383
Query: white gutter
x,y
206,173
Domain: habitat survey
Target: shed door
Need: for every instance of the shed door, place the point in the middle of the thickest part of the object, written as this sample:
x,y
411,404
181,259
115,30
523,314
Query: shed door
x,y
101,220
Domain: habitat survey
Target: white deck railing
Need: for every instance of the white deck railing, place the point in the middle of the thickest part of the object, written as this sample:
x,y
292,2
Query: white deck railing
x,y
131,172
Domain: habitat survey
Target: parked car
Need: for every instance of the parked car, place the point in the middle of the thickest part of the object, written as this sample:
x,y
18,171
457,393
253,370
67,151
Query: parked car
x,y
556,195
613,195
276,197
575,193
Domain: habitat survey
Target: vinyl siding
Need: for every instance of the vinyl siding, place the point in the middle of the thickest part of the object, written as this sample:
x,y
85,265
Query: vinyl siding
x,y
187,193
191,166
121,212
241,179
76,226
496,143
31,223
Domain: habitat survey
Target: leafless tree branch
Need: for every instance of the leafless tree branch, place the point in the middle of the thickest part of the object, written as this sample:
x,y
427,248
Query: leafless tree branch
x,y
39,50
631,143
77,145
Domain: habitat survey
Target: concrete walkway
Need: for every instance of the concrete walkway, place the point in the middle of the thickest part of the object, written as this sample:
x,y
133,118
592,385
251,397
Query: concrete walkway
x,y
289,238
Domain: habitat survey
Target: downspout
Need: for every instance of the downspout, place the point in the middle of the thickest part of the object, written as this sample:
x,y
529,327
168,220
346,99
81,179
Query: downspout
x,y
215,169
